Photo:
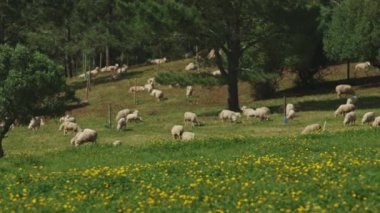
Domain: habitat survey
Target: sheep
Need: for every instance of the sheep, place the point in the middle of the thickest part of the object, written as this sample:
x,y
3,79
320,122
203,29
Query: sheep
x,y
353,100
87,135
136,89
344,108
262,113
151,81
349,118
177,131
291,114
122,69
191,66
362,66
35,123
67,118
216,73
190,117
187,136
158,94
148,87
289,107
189,91
344,89
110,68
311,128
121,124
229,115
69,126
116,143
134,116
122,114
157,61
376,122
248,112
368,118
91,73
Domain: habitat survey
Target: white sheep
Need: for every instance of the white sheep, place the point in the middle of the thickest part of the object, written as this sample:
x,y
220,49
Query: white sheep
x,y
67,118
187,136
349,118
229,115
344,109
291,114
35,123
368,118
148,87
289,107
191,66
177,131
311,128
122,114
189,91
216,73
190,117
344,89
262,113
136,89
134,116
121,124
376,122
151,81
157,61
110,68
353,100
116,143
248,112
158,94
69,126
87,135
362,66
122,69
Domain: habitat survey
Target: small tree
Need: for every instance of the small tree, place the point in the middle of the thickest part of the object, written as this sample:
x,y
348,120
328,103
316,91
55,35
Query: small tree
x,y
30,84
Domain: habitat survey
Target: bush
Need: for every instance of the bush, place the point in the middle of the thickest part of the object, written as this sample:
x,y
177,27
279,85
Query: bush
x,y
184,79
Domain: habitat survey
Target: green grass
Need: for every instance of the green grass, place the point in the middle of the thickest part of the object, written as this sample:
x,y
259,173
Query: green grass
x,y
55,174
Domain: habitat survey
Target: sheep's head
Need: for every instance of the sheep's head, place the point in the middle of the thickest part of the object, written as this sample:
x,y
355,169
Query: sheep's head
x,y
369,64
243,108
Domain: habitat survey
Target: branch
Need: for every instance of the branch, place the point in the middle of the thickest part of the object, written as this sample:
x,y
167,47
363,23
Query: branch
x,y
219,63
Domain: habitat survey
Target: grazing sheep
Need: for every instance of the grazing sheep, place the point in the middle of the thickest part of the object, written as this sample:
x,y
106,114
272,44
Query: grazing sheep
x,y
87,135
191,66
349,118
368,118
157,61
67,118
376,122
134,116
311,128
248,112
116,143
289,107
216,73
69,126
35,123
229,115
122,69
158,94
148,87
151,81
291,114
187,136
110,68
122,114
344,89
121,124
262,113
136,89
344,109
189,91
362,66
190,117
353,100
177,131
91,73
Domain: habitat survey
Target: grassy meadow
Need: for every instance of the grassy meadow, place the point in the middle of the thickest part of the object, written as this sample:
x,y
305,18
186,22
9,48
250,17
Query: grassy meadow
x,y
248,166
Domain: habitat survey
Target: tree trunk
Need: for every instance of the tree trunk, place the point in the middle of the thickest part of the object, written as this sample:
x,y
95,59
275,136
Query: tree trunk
x,y
107,56
3,132
348,70
233,73
1,147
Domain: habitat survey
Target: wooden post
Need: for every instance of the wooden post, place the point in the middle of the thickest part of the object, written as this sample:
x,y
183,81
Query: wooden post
x,y
109,116
285,118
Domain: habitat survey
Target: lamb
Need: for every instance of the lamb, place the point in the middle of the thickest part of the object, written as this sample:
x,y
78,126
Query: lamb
x,y
353,100
368,118
121,124
191,66
134,116
122,69
187,136
69,126
344,109
158,94
190,117
177,131
344,89
148,87
35,123
87,135
157,61
122,114
262,113
248,112
216,73
362,66
350,118
291,114
376,122
311,128
229,115
136,89
189,91
67,118
289,107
